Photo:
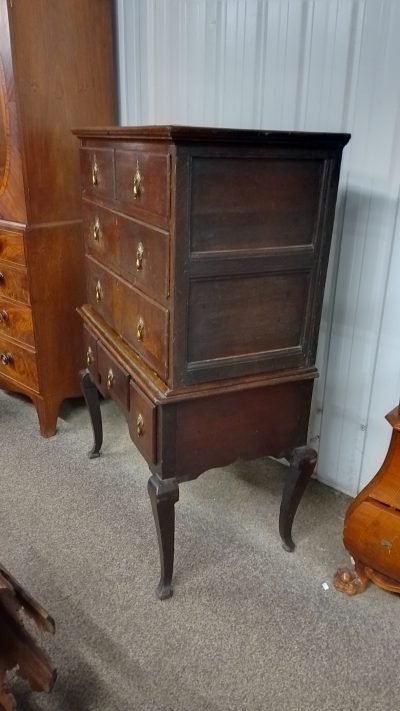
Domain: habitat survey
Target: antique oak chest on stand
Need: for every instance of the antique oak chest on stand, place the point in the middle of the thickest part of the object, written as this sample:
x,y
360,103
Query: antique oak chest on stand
x,y
206,258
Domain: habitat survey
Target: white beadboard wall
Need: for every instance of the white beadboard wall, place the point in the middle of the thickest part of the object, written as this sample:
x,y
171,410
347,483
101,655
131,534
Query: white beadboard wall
x,y
312,65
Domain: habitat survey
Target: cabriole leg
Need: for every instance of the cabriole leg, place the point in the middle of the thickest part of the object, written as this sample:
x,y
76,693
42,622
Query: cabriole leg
x,y
302,464
163,497
91,396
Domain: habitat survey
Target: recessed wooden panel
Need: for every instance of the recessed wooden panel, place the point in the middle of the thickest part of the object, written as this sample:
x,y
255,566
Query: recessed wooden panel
x,y
231,317
150,173
250,203
16,321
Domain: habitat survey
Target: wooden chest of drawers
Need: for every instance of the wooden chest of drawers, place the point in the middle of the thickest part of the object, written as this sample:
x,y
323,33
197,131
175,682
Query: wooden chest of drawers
x,y
52,77
206,257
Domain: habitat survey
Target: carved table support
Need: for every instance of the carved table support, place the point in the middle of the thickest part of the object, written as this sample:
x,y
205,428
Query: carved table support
x,y
91,395
163,497
302,464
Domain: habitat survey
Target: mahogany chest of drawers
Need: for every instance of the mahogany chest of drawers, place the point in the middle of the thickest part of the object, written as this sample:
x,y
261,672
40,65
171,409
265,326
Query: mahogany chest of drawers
x,y
56,71
206,257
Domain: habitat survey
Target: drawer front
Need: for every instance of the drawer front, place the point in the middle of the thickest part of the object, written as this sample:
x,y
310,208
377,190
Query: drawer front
x,y
100,233
18,363
140,321
142,423
113,379
12,247
144,325
144,257
97,172
103,292
14,283
371,535
142,182
16,321
90,351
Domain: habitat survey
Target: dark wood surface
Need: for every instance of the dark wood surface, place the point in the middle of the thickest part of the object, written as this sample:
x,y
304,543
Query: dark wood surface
x,y
56,70
205,283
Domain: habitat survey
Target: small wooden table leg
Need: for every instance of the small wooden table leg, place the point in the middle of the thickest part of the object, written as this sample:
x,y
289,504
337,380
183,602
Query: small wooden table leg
x,y
163,497
91,395
302,464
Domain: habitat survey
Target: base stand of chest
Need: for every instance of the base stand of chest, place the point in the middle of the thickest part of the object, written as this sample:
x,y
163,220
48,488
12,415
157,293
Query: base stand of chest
x,y
372,526
259,422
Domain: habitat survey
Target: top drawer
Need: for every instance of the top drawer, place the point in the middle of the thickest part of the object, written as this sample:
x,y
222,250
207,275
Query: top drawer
x,y
97,172
12,247
142,184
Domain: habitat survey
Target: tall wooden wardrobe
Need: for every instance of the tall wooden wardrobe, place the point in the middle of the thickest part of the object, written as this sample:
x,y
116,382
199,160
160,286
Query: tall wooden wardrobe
x,y
56,73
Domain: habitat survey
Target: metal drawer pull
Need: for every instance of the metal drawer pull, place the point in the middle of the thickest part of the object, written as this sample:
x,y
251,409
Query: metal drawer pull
x,y
139,256
96,230
140,329
99,292
89,357
110,379
3,315
1,277
140,425
95,172
137,186
6,358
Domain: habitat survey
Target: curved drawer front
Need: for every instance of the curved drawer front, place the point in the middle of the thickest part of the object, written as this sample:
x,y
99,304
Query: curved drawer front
x,y
97,172
142,184
12,247
16,321
14,283
18,363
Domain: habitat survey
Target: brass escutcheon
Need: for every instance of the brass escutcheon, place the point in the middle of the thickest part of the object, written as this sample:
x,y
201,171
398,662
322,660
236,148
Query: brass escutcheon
x,y
3,315
89,356
140,329
140,425
6,358
110,379
139,256
95,172
96,230
137,186
99,292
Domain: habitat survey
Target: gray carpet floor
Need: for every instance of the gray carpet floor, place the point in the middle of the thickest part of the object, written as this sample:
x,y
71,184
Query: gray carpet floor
x,y
250,627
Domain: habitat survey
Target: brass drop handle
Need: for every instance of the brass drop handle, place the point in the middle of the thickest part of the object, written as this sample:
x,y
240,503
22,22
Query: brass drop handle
x,y
137,186
139,256
89,357
6,358
3,315
96,230
140,329
1,277
99,292
140,425
95,172
110,379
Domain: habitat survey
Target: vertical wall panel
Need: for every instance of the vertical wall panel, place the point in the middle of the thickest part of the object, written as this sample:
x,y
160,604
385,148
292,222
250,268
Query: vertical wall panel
x,y
317,65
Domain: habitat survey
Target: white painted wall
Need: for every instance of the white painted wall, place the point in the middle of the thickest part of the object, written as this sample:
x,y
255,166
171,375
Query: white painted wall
x,y
317,65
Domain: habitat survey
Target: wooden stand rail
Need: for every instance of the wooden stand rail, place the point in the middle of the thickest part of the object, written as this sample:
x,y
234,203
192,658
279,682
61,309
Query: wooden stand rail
x,y
18,649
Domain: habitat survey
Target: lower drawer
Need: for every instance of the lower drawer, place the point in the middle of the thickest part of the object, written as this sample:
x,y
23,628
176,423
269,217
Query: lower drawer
x,y
14,283
16,321
18,363
372,535
142,423
90,346
112,378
